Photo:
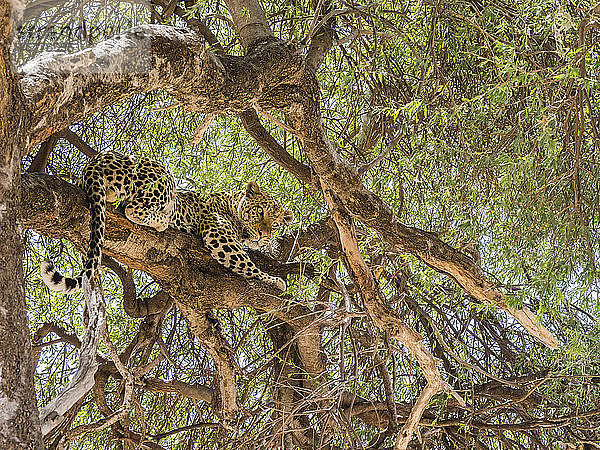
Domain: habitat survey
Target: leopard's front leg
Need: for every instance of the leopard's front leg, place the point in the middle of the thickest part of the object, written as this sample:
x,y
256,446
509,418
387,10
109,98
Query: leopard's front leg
x,y
230,253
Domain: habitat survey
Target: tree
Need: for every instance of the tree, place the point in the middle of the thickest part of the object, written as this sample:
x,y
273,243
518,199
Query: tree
x,y
19,423
443,160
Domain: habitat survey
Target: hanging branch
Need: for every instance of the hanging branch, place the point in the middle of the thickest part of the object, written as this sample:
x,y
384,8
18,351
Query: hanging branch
x,y
128,379
388,320
53,414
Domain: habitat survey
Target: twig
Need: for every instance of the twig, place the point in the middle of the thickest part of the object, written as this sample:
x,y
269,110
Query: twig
x,y
278,122
365,168
199,132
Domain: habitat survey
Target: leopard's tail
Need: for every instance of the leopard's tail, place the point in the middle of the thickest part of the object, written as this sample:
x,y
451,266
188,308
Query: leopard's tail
x,y
56,281
97,200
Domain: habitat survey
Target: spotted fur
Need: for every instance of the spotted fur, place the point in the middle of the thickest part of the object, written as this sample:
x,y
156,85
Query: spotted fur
x,y
227,221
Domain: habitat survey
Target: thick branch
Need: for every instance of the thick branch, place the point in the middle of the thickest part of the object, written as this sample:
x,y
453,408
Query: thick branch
x,y
193,391
250,20
64,88
268,143
389,320
288,387
41,158
19,422
337,176
133,305
178,262
79,143
211,338
321,40
317,235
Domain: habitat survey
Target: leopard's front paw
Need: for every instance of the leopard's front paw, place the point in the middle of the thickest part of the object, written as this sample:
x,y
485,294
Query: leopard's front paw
x,y
278,283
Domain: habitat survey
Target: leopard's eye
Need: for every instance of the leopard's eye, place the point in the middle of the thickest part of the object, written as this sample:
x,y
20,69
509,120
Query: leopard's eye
x,y
259,210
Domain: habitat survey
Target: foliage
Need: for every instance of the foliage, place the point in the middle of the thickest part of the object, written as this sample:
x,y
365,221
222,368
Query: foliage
x,y
482,118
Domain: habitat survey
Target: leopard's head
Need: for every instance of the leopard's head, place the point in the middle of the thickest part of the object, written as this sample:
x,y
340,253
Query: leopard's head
x,y
260,214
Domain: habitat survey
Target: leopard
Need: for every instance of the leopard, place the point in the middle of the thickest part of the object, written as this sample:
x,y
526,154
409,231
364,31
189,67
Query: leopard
x,y
229,222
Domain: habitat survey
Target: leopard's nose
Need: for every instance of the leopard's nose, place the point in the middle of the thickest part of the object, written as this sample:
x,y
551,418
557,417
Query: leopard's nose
x,y
264,231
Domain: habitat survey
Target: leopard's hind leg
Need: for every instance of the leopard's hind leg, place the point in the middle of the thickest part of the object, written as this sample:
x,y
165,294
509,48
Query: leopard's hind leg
x,y
152,199
149,213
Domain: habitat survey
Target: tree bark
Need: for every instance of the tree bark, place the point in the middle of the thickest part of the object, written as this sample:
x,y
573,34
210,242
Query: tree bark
x,y
272,75
178,262
62,89
250,19
19,421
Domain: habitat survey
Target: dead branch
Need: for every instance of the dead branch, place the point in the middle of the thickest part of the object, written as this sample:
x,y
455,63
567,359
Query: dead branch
x,y
101,424
252,124
389,321
347,193
41,158
53,413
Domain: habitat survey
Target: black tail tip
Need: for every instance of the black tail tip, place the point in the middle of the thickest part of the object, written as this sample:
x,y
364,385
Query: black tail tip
x,y
46,266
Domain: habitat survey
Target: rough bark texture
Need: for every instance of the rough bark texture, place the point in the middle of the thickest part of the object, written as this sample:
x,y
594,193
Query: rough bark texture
x,y
63,89
82,381
250,21
272,75
19,422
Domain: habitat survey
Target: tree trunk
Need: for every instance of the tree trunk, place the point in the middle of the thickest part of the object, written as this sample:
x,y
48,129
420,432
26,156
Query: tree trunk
x,y
19,421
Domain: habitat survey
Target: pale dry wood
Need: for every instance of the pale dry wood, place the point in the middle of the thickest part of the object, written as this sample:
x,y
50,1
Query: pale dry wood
x,y
128,380
387,319
53,414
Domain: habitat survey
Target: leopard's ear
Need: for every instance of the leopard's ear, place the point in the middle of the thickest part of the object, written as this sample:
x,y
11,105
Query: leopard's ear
x,y
252,188
288,216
